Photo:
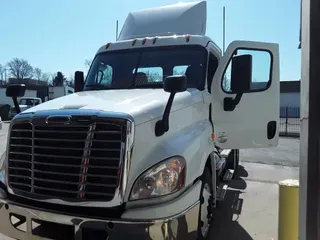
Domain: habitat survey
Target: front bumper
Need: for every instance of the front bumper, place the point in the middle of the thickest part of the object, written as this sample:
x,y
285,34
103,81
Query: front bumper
x,y
22,222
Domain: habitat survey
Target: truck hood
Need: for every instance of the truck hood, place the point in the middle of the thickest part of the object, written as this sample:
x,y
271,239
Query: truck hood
x,y
142,104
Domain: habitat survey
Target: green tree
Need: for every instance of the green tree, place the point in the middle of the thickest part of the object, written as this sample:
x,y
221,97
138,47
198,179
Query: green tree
x,y
59,79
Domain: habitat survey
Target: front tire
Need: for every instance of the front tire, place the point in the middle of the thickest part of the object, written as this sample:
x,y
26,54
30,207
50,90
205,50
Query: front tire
x,y
205,214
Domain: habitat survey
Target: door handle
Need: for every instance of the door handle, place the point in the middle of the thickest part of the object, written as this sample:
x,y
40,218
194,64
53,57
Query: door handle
x,y
271,129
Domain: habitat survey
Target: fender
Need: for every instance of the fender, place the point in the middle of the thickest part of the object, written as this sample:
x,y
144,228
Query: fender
x,y
192,142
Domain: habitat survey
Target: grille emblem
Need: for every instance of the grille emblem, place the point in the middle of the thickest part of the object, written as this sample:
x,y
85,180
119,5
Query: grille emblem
x,y
58,120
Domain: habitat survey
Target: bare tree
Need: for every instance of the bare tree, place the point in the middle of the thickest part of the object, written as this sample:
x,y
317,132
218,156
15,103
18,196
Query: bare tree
x,y
20,68
38,74
45,77
70,78
2,72
226,83
179,72
70,81
87,63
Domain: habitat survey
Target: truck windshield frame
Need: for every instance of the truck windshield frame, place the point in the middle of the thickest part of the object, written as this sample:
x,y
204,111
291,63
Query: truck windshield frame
x,y
147,67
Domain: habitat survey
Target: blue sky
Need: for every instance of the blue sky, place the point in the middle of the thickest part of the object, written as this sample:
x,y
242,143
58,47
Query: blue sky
x,y
59,35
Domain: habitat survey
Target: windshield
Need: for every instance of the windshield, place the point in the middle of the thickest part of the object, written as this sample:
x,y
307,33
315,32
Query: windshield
x,y
147,68
28,102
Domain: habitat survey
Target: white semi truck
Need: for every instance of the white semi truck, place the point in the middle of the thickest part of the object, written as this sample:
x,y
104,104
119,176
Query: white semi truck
x,y
146,146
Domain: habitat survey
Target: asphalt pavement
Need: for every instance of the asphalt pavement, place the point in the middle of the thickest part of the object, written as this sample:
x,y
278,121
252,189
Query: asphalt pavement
x,y
286,154
250,210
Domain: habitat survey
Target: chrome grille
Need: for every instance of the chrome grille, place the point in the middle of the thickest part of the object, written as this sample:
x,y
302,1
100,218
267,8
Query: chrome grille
x,y
73,161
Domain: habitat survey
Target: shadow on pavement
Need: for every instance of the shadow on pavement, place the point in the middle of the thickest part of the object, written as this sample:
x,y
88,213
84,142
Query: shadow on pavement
x,y
226,225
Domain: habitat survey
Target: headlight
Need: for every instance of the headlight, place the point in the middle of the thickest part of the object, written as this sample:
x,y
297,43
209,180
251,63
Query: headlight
x,y
162,179
2,168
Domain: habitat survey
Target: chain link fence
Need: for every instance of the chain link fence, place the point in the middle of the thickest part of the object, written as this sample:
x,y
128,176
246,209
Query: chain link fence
x,y
290,121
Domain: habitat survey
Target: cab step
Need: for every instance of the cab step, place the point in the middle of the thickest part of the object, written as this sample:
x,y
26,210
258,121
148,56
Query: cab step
x,y
225,153
220,164
224,185
221,191
228,175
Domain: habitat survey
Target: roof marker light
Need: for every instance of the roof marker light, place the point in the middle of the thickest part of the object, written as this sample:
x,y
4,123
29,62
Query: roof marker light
x,y
154,40
134,42
187,37
108,45
144,41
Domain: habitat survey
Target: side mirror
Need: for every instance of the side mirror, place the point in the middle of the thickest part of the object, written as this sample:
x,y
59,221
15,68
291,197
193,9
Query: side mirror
x,y
240,82
14,91
78,81
173,85
241,73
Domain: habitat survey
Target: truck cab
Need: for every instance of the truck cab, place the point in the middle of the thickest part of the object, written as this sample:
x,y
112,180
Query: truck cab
x,y
147,144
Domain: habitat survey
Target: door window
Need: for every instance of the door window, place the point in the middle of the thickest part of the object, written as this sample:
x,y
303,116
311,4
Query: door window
x,y
261,70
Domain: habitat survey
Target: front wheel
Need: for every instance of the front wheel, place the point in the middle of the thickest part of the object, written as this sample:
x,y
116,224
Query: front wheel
x,y
205,214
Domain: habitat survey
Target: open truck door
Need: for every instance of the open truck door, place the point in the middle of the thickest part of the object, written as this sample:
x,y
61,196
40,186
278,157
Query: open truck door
x,y
245,96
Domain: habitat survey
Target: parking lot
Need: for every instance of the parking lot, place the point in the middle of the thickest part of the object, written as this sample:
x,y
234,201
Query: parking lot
x,y
251,207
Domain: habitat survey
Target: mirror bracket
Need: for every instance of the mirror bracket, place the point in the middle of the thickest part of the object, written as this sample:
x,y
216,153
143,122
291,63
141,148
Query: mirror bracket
x,y
172,85
229,103
16,105
162,125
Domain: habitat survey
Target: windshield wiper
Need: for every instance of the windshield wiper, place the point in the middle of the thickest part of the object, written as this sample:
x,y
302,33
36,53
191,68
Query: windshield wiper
x,y
101,87
96,87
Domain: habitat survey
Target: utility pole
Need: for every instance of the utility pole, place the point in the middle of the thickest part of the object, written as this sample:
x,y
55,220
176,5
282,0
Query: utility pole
x,y
224,30
117,28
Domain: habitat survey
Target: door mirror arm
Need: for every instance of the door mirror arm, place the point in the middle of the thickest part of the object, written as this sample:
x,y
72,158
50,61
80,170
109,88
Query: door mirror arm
x,y
229,103
173,85
162,125
16,104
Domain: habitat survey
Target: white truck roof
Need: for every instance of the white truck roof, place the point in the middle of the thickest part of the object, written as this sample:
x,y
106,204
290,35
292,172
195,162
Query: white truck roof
x,y
177,19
